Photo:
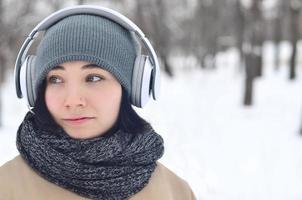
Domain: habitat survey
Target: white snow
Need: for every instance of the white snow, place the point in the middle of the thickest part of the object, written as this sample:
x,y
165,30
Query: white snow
x,y
224,150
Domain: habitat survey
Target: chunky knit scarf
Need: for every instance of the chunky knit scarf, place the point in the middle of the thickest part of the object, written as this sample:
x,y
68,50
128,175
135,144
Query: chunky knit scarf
x,y
113,166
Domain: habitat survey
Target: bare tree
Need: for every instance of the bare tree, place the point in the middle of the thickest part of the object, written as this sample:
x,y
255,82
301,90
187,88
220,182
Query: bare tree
x,y
277,31
80,2
295,7
2,59
253,49
239,24
259,30
207,19
151,16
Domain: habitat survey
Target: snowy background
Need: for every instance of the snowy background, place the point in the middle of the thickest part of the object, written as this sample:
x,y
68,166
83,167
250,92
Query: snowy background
x,y
225,151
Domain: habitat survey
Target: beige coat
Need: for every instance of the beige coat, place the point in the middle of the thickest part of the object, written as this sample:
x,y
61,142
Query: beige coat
x,y
18,181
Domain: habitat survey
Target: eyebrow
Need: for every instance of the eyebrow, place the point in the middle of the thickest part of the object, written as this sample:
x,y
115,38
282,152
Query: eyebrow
x,y
90,66
87,66
58,67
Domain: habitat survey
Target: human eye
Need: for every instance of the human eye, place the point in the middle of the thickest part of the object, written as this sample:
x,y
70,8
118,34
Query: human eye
x,y
54,80
94,78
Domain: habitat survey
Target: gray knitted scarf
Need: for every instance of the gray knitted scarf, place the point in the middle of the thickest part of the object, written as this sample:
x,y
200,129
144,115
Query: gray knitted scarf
x,y
114,166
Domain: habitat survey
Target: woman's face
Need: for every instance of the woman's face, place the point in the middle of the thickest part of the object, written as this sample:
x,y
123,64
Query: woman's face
x,y
83,98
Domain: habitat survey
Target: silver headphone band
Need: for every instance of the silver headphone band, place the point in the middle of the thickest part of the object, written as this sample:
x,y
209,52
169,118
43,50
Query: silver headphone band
x,y
87,9
82,9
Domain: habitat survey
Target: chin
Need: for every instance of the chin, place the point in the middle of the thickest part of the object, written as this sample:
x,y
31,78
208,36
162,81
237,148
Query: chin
x,y
81,134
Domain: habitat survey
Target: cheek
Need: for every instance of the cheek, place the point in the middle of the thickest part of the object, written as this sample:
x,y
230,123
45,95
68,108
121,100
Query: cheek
x,y
108,101
115,103
52,101
115,98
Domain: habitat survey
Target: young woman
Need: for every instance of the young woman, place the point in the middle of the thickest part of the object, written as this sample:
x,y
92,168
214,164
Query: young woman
x,y
82,139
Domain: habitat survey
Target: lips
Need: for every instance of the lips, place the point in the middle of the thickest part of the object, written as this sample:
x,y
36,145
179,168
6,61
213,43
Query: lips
x,y
77,120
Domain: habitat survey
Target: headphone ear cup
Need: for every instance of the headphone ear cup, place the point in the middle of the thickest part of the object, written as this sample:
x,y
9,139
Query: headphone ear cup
x,y
141,81
136,79
30,81
27,81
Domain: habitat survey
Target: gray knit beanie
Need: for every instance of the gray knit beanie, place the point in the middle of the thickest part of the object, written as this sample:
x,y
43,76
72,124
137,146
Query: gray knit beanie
x,y
88,38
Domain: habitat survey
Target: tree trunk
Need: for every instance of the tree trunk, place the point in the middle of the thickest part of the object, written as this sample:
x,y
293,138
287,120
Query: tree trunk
x,y
239,27
80,2
250,71
257,40
2,60
277,39
167,67
258,46
258,61
2,75
162,30
292,70
1,112
253,50
248,92
294,15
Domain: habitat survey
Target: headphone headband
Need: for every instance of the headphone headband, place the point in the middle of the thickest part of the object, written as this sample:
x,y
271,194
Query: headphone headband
x,y
93,10
88,9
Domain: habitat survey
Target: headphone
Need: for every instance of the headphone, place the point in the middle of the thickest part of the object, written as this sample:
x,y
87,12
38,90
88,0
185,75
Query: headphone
x,y
146,71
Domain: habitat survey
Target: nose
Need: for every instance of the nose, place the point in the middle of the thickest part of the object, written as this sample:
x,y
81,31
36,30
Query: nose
x,y
74,98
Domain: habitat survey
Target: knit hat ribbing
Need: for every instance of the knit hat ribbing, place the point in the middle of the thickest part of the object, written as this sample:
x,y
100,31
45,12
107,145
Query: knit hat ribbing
x,y
88,38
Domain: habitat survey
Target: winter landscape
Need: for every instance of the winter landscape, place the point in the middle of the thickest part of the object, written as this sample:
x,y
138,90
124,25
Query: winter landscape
x,y
224,150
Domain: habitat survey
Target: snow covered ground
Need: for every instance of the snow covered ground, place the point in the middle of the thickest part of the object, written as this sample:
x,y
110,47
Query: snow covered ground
x,y
225,151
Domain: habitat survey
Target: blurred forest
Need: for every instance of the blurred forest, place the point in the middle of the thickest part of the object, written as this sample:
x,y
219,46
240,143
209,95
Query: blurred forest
x,y
196,28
